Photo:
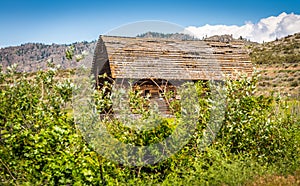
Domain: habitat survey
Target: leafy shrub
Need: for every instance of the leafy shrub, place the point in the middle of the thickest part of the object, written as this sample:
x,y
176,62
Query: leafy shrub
x,y
40,143
252,127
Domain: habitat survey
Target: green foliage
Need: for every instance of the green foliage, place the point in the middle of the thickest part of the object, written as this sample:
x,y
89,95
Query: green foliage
x,y
252,127
40,143
70,52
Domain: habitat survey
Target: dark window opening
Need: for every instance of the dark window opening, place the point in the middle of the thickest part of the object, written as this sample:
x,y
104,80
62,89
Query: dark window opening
x,y
161,93
146,92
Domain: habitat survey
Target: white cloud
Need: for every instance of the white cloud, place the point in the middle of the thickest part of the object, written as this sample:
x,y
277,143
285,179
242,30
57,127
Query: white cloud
x,y
267,29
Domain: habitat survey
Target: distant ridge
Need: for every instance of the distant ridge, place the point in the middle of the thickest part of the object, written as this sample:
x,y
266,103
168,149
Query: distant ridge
x,y
33,56
179,36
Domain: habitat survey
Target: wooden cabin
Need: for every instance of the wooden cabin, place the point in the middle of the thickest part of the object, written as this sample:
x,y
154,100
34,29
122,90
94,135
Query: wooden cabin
x,y
153,63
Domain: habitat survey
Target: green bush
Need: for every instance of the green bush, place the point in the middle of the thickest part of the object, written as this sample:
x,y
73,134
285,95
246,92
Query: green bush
x,y
41,144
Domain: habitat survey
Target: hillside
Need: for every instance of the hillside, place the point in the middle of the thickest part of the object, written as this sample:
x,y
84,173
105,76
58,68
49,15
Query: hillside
x,y
284,50
33,56
279,64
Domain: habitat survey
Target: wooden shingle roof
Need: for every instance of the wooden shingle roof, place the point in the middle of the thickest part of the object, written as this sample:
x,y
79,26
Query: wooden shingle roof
x,y
140,58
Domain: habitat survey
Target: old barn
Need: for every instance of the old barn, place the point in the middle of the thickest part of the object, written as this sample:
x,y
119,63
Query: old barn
x,y
155,62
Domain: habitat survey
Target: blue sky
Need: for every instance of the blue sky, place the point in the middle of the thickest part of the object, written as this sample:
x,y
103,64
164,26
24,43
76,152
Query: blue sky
x,y
67,21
